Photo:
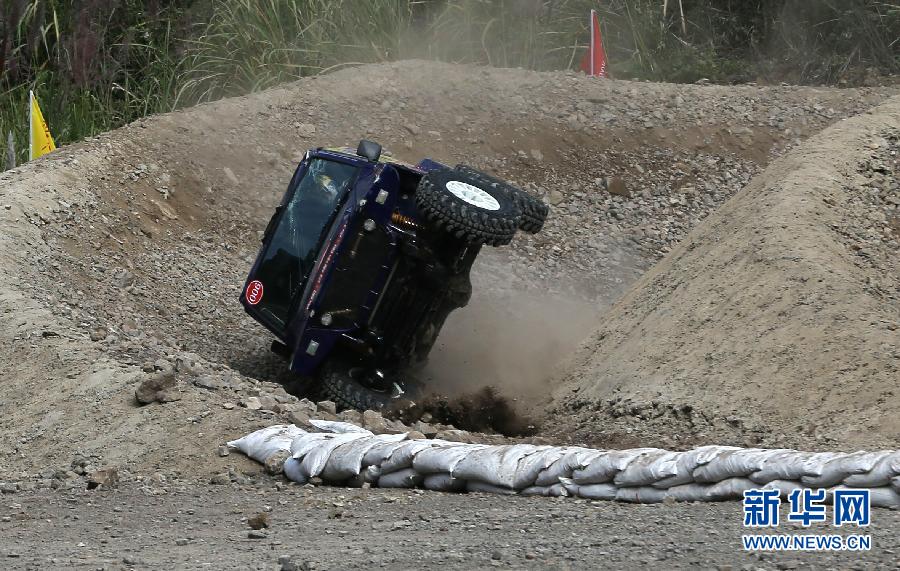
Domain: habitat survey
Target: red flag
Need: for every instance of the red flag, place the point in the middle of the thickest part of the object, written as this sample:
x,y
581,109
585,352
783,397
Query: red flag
x,y
594,61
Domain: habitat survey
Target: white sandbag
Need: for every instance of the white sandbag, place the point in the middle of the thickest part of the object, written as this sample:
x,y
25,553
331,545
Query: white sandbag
x,y
738,463
782,465
314,461
689,492
573,458
648,468
337,427
345,461
381,452
885,497
306,443
688,462
264,442
443,483
442,459
557,490
402,456
368,475
598,491
603,467
494,465
880,474
836,470
533,464
405,478
292,471
784,487
476,486
730,489
881,497
895,483
641,495
535,491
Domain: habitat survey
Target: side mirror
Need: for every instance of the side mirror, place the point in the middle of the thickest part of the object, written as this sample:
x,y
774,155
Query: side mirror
x,y
369,149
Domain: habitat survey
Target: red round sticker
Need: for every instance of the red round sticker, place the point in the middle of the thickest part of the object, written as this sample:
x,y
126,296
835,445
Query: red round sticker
x,y
254,292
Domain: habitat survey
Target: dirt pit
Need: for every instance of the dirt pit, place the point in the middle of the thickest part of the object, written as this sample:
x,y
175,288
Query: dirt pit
x,y
126,253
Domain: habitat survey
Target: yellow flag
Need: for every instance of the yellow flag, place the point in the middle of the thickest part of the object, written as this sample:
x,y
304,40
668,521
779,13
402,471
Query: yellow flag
x,y
40,140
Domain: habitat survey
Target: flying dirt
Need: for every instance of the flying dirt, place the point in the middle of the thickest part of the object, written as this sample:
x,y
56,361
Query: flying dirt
x,y
716,269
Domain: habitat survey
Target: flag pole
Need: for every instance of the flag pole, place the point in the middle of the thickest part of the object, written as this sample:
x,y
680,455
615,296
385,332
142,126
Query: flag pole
x,y
30,125
592,43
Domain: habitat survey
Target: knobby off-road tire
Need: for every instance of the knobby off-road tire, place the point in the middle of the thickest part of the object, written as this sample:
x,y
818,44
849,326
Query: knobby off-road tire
x,y
338,386
478,212
534,211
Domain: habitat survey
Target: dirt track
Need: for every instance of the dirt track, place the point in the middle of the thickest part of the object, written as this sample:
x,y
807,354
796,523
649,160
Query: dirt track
x,y
127,252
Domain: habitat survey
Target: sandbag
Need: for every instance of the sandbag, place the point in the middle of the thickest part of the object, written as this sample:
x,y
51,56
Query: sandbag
x,y
345,461
535,491
338,427
381,452
641,495
648,468
476,486
783,465
533,464
880,474
730,489
784,487
306,443
443,483
292,471
738,463
880,497
264,442
572,459
402,456
836,470
495,465
689,492
688,462
895,483
443,459
598,491
314,461
603,467
405,478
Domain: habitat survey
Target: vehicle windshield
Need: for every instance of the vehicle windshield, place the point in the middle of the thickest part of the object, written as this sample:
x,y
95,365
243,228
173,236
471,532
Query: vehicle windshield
x,y
292,250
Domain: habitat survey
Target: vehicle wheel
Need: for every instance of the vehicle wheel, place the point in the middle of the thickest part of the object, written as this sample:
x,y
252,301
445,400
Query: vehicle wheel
x,y
474,210
534,211
339,384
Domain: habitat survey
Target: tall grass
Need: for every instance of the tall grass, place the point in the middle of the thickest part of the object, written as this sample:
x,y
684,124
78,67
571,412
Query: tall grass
x,y
96,64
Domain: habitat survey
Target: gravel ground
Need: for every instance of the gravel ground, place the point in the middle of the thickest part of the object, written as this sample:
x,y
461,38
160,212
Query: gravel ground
x,y
190,527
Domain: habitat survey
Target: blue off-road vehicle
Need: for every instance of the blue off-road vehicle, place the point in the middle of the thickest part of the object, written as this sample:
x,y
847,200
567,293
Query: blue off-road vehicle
x,y
365,258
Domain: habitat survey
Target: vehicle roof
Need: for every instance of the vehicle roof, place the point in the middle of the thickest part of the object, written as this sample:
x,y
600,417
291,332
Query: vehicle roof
x,y
385,158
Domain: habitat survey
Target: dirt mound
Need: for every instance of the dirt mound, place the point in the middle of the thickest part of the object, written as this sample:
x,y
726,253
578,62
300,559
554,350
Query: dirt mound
x,y
125,254
775,322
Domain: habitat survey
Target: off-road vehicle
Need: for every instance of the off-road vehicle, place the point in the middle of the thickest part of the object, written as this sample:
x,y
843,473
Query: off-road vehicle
x,y
364,259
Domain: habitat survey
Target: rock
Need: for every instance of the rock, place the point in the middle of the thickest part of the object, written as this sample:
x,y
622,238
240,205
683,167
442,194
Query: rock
x,y
556,197
307,406
428,430
415,435
455,435
98,334
352,416
275,462
105,478
8,488
306,129
259,521
299,418
208,382
537,155
292,563
374,421
268,402
158,387
220,479
182,541
256,534
224,451
251,403
326,406
412,128
616,186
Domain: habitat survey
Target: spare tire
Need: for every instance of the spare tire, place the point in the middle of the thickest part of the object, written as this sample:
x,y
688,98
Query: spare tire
x,y
534,211
475,210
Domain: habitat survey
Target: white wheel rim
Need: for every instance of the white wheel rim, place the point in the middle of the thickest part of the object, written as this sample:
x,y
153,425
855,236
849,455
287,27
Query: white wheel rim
x,y
472,195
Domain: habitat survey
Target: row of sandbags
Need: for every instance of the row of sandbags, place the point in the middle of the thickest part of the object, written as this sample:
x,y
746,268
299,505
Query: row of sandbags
x,y
346,454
